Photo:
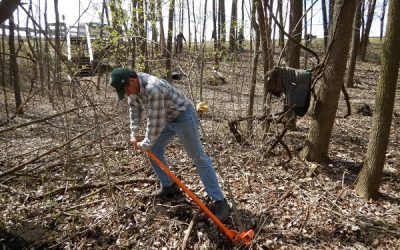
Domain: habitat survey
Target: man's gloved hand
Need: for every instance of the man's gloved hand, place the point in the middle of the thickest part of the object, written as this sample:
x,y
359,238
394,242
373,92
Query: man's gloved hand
x,y
135,140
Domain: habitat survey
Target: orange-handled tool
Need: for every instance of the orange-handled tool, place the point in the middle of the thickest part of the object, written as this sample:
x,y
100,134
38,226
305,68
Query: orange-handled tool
x,y
243,237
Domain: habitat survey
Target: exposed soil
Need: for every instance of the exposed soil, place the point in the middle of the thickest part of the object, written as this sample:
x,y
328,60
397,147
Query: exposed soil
x,y
50,201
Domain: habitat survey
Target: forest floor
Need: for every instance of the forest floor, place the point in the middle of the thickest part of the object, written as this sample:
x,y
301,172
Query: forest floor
x,y
76,183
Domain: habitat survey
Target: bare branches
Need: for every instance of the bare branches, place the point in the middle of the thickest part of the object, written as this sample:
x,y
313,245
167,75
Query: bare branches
x,y
289,36
19,167
37,121
93,185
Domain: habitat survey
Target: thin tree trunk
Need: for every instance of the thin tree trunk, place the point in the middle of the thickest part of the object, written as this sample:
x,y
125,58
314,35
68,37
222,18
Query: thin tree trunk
x,y
293,51
189,25
154,31
195,27
233,28
264,40
168,62
355,42
57,68
214,11
384,4
47,56
369,179
162,35
202,50
281,33
327,95
143,35
324,23
3,67
305,35
368,24
14,70
222,23
250,108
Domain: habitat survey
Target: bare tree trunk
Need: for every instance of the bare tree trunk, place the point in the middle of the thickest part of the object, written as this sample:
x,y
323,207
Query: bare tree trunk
x,y
222,23
47,57
143,35
216,50
40,49
327,95
305,34
324,23
162,35
14,70
189,28
331,8
384,4
368,24
369,179
250,108
181,15
281,32
202,50
154,31
355,42
57,67
267,59
195,27
168,53
293,51
233,28
135,39
3,67
241,29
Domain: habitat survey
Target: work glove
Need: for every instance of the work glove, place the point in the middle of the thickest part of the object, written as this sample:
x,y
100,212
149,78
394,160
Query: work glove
x,y
135,140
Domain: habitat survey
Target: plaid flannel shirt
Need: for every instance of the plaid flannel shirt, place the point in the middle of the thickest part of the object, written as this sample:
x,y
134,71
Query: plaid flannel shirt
x,y
162,101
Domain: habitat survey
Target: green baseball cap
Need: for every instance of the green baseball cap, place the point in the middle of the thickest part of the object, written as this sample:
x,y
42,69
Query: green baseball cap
x,y
118,79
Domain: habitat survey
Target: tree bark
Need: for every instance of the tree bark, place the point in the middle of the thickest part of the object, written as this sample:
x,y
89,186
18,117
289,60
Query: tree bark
x,y
250,108
14,69
368,24
327,94
169,38
222,24
203,43
355,42
293,51
195,28
264,40
281,33
324,23
216,50
189,21
384,4
233,28
162,34
2,69
57,43
369,178
143,35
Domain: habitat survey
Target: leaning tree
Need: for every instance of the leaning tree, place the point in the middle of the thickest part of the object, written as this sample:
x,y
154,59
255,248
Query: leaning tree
x,y
327,94
369,178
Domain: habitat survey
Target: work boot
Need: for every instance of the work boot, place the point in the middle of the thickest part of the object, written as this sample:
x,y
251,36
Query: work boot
x,y
221,210
166,191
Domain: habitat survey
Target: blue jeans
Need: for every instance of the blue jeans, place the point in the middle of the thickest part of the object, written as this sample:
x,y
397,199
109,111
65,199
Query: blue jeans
x,y
185,127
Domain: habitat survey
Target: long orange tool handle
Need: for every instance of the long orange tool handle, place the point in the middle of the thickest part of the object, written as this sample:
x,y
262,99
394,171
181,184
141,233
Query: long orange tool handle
x,y
245,237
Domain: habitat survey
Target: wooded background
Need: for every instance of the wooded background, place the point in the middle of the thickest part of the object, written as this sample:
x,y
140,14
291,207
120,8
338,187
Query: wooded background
x,y
65,138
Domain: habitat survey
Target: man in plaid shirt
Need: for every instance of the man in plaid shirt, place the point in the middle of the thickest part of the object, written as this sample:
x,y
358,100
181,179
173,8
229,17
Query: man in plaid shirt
x,y
169,113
